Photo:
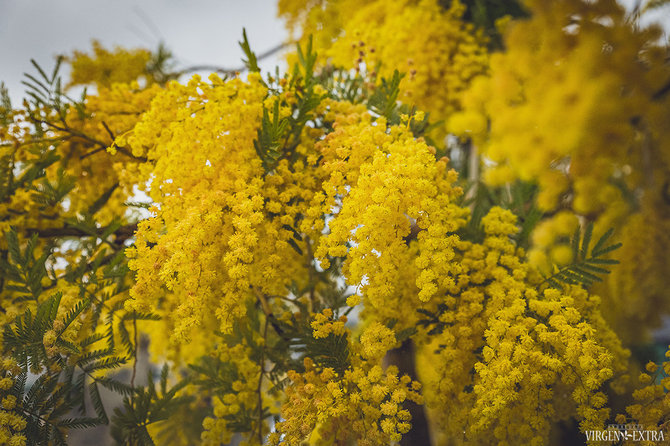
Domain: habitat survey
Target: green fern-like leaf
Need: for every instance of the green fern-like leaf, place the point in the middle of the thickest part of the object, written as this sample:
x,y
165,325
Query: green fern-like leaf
x,y
268,143
588,263
384,100
21,271
251,61
145,406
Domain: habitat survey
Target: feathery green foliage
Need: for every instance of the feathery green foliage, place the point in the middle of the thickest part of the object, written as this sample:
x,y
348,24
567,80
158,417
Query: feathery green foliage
x,y
145,406
587,262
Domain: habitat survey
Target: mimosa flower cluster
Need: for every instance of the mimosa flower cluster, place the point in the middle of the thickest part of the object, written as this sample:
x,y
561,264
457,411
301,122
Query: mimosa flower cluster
x,y
511,348
365,404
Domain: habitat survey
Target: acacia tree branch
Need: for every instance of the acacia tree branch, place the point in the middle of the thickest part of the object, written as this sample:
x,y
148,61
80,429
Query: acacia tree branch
x,y
101,145
404,357
132,377
661,92
259,389
223,70
122,234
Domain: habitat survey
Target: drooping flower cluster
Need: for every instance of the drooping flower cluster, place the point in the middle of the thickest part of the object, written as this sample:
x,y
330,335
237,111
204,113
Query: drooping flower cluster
x,y
638,288
398,184
372,199
362,404
221,230
71,138
510,348
237,401
220,214
575,84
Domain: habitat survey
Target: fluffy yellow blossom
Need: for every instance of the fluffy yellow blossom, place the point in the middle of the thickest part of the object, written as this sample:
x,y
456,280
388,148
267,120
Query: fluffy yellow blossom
x,y
225,230
376,340
638,287
240,397
652,403
214,241
91,179
324,326
322,405
282,214
509,349
398,184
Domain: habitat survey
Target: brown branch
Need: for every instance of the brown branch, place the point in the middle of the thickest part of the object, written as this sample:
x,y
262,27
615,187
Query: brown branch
x,y
132,377
259,390
92,152
404,357
222,70
36,141
267,310
109,131
70,130
661,92
122,150
310,270
122,234
101,145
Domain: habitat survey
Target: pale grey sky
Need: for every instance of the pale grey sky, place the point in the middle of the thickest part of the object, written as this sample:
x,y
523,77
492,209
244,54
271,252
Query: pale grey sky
x,y
197,31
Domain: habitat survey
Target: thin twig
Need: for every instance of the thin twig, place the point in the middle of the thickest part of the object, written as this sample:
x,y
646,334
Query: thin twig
x,y
310,270
101,145
109,131
222,70
132,377
260,383
36,141
92,152
661,92
122,234
267,310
